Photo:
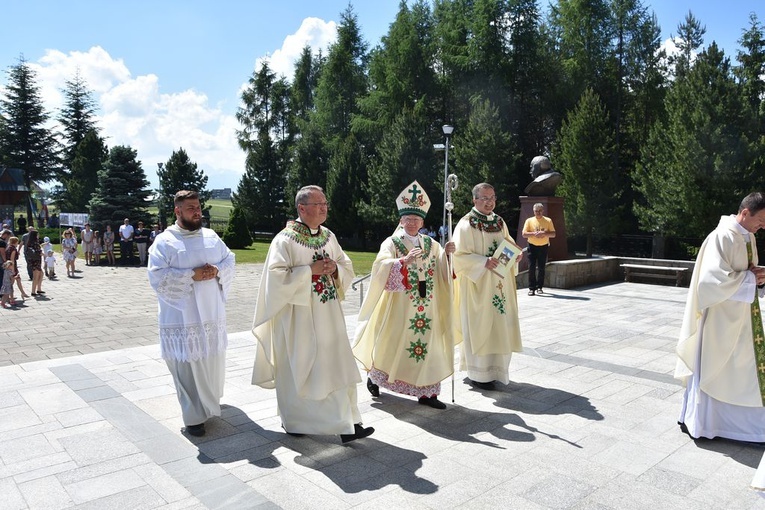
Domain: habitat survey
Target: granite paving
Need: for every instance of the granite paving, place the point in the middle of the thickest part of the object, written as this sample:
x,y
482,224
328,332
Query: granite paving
x,y
89,416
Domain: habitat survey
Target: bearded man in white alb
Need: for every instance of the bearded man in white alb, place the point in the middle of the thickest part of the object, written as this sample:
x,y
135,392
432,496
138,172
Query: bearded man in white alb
x,y
191,269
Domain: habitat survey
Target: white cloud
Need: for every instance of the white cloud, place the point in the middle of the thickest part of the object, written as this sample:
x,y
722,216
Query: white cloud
x,y
133,112
315,32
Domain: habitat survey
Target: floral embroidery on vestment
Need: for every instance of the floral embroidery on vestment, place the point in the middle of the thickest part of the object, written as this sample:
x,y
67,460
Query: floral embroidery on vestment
x,y
425,269
323,285
483,223
301,234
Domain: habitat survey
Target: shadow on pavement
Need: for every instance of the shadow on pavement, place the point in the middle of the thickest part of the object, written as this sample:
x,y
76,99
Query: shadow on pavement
x,y
455,422
748,454
532,399
235,437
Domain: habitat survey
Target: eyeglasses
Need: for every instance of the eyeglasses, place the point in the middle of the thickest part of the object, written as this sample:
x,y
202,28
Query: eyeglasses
x,y
487,199
318,204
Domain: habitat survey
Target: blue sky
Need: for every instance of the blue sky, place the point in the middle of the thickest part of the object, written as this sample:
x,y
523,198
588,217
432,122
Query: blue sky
x,y
169,73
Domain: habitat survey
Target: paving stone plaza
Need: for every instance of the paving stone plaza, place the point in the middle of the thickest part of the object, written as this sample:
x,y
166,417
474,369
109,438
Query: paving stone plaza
x,y
89,416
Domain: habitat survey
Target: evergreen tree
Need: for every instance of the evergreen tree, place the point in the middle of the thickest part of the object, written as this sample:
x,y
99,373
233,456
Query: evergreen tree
x,y
400,72
76,117
531,80
690,37
405,154
584,154
123,190
343,79
700,159
177,174
341,84
751,72
308,160
81,182
304,82
237,235
261,190
486,154
25,141
585,31
309,163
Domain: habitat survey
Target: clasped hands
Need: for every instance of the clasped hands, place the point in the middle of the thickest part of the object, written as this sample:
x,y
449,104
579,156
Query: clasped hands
x,y
759,273
324,266
206,272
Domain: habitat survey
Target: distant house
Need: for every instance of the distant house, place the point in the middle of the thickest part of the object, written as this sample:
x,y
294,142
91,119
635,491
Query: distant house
x,y
224,194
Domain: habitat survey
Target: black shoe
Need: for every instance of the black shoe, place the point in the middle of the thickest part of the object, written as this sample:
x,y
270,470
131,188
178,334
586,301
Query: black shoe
x,y
360,433
531,292
432,402
196,430
483,385
293,434
540,291
373,388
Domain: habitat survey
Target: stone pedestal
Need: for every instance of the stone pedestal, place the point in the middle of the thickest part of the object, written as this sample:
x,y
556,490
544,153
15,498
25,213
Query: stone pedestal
x,y
553,210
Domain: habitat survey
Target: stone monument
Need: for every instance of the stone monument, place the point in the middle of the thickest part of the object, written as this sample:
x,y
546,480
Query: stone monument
x,y
542,190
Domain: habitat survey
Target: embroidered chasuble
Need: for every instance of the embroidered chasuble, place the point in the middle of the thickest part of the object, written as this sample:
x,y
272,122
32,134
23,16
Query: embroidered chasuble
x,y
404,334
302,344
728,328
758,335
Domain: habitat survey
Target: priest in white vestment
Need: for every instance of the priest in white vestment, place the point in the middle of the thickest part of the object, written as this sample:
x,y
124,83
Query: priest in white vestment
x,y
486,302
303,349
722,346
191,269
404,337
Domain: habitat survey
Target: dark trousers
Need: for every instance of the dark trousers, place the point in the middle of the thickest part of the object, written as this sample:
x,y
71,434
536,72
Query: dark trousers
x,y
29,267
537,261
126,252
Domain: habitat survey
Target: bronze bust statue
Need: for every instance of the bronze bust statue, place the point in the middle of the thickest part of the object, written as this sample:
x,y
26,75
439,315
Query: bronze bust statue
x,y
545,178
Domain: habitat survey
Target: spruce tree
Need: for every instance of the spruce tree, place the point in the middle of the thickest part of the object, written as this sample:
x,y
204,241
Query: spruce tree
x,y
237,235
81,183
486,154
25,141
180,173
700,159
122,192
76,117
584,154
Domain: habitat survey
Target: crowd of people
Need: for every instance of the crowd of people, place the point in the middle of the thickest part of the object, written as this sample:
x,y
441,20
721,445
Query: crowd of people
x,y
40,255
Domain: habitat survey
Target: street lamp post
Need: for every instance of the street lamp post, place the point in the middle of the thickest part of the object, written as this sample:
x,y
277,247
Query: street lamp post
x,y
161,203
448,130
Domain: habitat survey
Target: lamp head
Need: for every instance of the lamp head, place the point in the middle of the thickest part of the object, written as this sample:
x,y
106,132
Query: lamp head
x,y
448,130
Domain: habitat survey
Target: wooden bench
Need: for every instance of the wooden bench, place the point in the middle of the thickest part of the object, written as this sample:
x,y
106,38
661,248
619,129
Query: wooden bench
x,y
631,270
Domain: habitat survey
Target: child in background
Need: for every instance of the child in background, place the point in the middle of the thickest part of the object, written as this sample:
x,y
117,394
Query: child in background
x,y
50,265
98,248
7,286
46,246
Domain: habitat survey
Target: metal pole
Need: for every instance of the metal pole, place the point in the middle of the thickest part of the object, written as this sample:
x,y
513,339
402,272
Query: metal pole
x,y
446,191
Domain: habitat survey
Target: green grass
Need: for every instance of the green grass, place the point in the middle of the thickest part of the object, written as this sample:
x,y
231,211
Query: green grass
x,y
256,254
219,209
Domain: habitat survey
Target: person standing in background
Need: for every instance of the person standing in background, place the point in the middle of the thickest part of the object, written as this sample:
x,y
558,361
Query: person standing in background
x,y
538,230
126,242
